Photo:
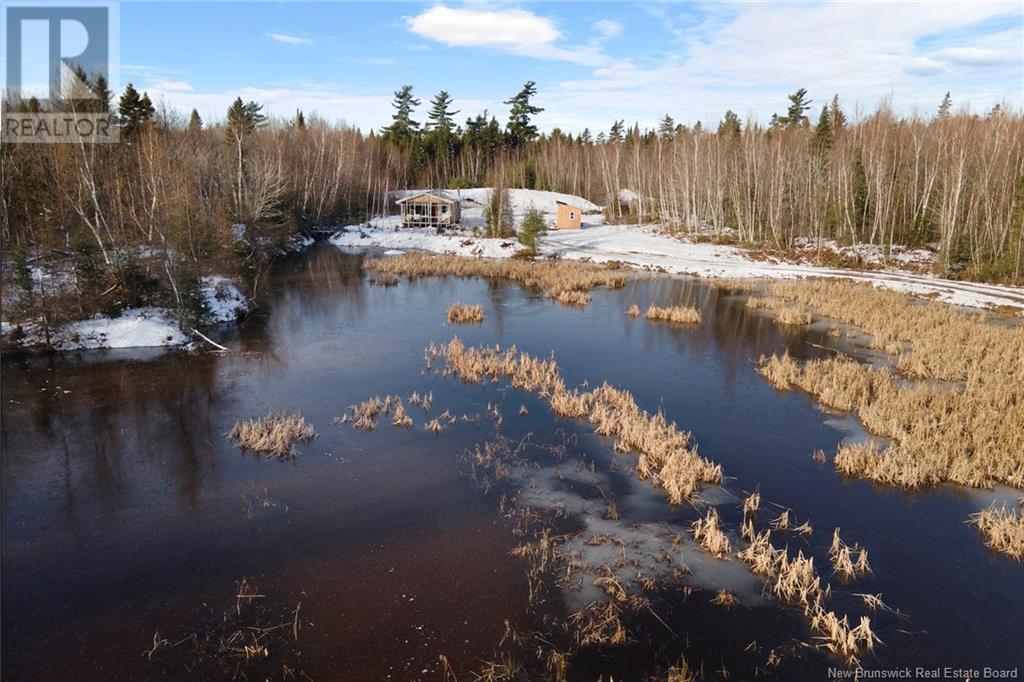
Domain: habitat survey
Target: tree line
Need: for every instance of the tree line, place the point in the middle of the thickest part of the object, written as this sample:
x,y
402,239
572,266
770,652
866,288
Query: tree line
x,y
138,222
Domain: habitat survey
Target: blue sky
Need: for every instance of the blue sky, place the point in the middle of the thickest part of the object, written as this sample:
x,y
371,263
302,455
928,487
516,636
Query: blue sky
x,y
593,62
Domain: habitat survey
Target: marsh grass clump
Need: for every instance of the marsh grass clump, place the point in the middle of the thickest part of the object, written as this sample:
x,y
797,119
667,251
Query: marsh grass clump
x,y
965,432
569,297
274,434
664,451
783,312
725,598
558,279
461,313
633,311
1003,529
848,562
961,421
708,534
401,418
673,314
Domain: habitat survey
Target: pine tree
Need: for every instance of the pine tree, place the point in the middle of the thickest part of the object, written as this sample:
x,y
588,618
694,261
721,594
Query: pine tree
x,y
615,134
698,128
730,125
242,121
520,129
667,128
794,118
133,110
836,117
403,128
585,136
823,131
195,122
946,107
440,116
300,119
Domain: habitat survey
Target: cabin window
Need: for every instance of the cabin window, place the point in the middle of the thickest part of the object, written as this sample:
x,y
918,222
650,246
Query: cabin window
x,y
444,209
572,215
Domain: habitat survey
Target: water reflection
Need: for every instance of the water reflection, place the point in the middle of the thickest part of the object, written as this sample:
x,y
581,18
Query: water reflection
x,y
122,501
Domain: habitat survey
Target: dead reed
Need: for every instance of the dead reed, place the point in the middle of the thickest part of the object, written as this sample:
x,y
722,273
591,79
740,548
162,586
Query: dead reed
x,y
461,313
673,314
1003,529
707,533
783,312
970,432
633,311
553,277
848,561
725,598
275,434
962,421
665,455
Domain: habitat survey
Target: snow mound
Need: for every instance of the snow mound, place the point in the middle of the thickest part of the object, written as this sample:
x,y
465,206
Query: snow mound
x,y
224,302
135,328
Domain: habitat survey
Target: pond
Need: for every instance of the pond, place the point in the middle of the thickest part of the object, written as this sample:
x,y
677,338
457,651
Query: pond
x,y
128,517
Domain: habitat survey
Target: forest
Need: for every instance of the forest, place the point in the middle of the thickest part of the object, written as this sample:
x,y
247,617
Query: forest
x,y
138,222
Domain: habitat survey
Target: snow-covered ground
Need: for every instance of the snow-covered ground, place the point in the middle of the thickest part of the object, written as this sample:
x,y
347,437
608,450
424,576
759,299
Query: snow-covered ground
x,y
135,328
224,302
139,327
644,246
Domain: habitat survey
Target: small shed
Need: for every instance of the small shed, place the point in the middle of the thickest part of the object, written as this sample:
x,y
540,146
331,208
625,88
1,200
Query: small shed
x,y
569,217
429,209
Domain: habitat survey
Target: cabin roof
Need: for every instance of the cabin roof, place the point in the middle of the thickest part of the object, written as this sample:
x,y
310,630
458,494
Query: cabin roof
x,y
438,196
566,203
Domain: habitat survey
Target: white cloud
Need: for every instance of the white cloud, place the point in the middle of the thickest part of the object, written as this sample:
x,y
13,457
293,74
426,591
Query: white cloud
x,y
510,30
289,40
608,28
749,59
171,86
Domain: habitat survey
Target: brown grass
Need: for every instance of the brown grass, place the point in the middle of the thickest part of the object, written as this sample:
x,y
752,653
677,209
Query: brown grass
x,y
461,313
633,311
673,314
664,452
1003,529
725,598
275,434
971,432
783,312
707,533
561,280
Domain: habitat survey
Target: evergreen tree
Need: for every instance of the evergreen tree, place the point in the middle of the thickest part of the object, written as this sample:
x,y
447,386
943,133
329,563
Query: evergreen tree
x,y
440,116
243,119
698,128
730,125
134,110
615,134
300,119
823,131
103,94
667,128
946,107
585,136
195,122
520,129
794,118
836,117
403,128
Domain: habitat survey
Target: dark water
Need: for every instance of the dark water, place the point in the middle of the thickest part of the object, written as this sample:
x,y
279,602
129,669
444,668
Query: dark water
x,y
126,512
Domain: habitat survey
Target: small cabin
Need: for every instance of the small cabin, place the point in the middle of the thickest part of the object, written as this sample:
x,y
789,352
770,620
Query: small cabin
x,y
569,217
429,209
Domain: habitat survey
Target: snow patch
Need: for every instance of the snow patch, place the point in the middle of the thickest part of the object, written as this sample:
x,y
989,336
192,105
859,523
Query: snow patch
x,y
224,302
135,328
